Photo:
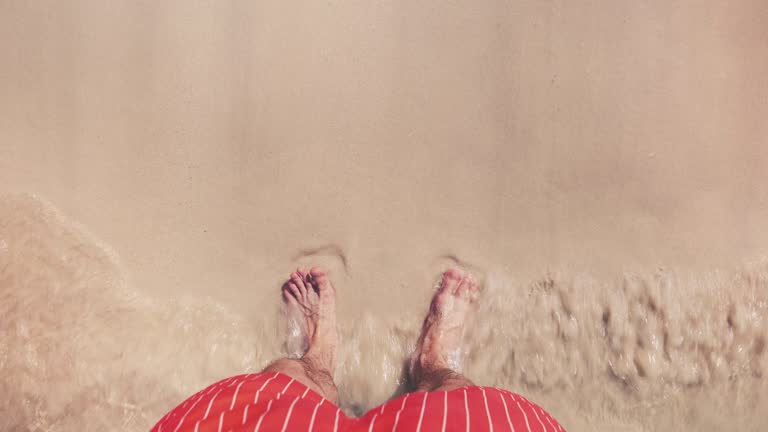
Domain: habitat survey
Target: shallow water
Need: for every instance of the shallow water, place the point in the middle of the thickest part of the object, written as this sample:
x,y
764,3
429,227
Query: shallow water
x,y
82,350
600,165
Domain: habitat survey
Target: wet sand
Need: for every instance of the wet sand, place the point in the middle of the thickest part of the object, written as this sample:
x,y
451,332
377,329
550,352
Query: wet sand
x,y
601,166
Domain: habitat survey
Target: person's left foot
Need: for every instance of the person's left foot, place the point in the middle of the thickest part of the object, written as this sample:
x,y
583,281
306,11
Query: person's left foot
x,y
310,300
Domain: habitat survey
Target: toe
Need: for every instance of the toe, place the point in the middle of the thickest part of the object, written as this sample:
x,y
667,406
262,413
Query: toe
x,y
304,274
288,296
309,284
474,285
451,280
299,282
323,283
318,272
453,273
308,281
474,289
294,290
465,286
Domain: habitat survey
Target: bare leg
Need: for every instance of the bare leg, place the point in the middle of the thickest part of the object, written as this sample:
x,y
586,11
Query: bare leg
x,y
310,300
436,362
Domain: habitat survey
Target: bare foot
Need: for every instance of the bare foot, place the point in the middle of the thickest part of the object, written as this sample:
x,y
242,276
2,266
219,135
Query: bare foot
x,y
310,301
440,346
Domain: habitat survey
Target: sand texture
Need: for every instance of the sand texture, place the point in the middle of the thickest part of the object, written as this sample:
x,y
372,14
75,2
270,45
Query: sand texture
x,y
601,166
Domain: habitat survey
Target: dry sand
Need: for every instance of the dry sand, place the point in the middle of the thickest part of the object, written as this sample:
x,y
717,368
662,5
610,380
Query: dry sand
x,y
601,164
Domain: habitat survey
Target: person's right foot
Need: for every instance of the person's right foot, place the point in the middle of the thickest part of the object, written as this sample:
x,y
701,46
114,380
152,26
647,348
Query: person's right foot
x,y
441,342
311,305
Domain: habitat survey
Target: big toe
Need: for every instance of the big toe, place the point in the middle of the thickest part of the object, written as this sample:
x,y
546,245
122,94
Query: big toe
x,y
322,281
451,280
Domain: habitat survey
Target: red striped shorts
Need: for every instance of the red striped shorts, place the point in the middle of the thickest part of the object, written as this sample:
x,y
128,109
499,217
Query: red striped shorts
x,y
276,402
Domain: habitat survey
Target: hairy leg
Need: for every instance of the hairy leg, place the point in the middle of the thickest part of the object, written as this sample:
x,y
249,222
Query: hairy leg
x,y
310,373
